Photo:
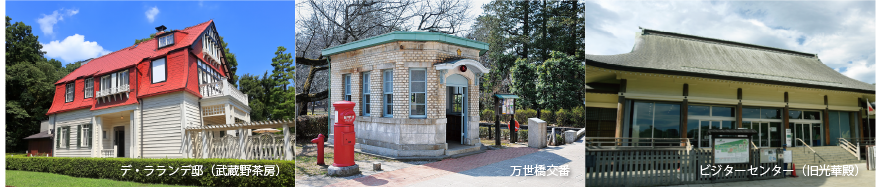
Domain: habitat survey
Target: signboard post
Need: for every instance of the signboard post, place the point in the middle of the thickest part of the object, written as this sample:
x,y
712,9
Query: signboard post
x,y
731,150
731,146
504,106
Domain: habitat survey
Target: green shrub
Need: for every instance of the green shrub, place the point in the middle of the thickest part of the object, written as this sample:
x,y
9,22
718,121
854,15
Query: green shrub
x,y
309,126
564,118
578,116
488,115
523,115
111,168
523,135
549,116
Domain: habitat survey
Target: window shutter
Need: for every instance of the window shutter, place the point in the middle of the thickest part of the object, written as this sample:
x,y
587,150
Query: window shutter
x,y
58,138
78,136
67,136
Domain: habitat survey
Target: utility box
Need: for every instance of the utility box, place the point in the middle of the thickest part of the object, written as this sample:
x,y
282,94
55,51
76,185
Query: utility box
x,y
537,133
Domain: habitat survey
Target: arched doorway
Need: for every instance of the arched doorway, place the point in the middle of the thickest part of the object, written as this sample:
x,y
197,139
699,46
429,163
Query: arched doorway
x,y
457,109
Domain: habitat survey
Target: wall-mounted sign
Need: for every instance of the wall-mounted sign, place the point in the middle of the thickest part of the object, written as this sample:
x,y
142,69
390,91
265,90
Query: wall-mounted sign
x,y
731,150
463,68
768,155
789,137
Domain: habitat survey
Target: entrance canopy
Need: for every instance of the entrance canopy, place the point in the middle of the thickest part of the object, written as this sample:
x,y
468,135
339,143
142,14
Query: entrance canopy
x,y
475,66
250,125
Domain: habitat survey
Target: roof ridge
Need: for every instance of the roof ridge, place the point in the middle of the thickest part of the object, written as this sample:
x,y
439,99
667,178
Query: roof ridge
x,y
718,41
208,21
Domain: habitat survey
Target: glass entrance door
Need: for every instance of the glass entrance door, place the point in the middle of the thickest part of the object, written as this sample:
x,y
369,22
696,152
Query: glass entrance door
x,y
810,133
767,133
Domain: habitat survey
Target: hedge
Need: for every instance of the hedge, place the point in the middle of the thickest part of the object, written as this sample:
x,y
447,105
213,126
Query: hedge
x,y
111,168
310,126
574,117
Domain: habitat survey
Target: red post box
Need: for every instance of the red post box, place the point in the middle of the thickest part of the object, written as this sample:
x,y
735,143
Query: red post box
x,y
320,147
345,136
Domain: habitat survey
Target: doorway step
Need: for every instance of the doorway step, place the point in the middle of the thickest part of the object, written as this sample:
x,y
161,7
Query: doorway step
x,y
457,150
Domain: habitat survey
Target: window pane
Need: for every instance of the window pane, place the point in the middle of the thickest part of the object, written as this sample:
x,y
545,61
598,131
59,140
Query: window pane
x,y
697,110
387,82
666,120
421,98
753,113
418,86
718,111
812,115
158,71
771,113
643,119
795,114
418,110
418,75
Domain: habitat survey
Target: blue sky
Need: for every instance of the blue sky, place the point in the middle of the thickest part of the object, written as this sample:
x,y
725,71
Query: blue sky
x,y
74,31
842,33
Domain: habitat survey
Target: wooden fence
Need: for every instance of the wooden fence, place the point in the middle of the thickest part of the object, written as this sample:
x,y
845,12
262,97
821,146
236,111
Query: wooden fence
x,y
629,168
265,146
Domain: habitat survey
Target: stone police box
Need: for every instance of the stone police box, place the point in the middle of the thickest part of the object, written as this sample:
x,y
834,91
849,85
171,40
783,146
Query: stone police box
x,y
416,93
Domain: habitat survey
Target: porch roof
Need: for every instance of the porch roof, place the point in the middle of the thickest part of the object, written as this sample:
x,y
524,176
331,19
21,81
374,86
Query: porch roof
x,y
407,36
250,125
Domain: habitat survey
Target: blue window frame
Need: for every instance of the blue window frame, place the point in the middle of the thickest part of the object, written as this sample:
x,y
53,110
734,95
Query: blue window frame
x,y
366,94
418,93
387,93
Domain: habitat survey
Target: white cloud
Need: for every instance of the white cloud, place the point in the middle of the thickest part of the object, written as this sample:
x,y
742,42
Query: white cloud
x,y
47,22
841,33
73,48
861,70
151,13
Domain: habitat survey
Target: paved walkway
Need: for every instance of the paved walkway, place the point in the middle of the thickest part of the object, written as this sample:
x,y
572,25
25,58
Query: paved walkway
x,y
492,168
864,178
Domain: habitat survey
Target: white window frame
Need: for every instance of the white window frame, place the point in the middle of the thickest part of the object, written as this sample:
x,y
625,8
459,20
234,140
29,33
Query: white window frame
x,y
165,40
88,90
413,94
70,91
163,72
366,94
387,93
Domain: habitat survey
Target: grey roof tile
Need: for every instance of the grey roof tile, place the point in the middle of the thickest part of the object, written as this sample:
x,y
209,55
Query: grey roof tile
x,y
687,53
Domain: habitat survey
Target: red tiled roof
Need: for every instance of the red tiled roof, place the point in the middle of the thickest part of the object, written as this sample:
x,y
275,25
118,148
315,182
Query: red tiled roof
x,y
130,56
137,58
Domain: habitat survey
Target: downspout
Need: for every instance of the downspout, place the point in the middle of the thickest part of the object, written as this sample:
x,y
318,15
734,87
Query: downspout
x,y
329,101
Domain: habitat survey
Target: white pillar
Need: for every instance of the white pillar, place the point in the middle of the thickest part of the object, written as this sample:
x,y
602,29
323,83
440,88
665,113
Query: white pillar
x,y
287,142
242,144
204,147
96,143
133,135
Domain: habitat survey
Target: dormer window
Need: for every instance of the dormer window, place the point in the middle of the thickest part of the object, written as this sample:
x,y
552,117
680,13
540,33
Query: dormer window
x,y
71,87
165,40
89,87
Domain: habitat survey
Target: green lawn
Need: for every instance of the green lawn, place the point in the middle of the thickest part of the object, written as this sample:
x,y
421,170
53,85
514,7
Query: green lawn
x,y
41,179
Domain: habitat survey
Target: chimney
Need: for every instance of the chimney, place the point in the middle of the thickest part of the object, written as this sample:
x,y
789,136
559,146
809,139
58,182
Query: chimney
x,y
160,29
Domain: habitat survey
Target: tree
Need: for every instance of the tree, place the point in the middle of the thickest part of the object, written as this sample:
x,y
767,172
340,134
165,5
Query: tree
x,y
138,41
230,61
560,82
283,93
524,78
30,84
252,86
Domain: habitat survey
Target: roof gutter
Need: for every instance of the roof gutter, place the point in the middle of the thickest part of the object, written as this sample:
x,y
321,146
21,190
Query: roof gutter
x,y
703,75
